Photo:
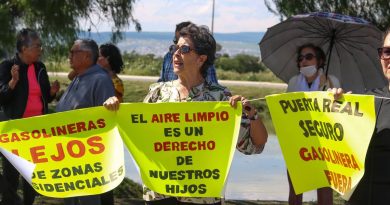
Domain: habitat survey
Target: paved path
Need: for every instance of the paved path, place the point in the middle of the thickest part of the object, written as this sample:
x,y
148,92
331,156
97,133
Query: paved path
x,y
222,82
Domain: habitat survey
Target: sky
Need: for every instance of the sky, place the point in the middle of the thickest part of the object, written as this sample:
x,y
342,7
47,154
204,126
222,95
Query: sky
x,y
230,16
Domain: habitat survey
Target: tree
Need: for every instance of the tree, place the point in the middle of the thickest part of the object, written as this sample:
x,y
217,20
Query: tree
x,y
58,21
375,11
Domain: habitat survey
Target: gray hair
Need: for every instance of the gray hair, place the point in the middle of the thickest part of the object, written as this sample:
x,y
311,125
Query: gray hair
x,y
89,45
25,38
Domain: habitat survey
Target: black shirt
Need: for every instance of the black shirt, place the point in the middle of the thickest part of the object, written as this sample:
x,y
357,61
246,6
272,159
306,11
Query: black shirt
x,y
374,187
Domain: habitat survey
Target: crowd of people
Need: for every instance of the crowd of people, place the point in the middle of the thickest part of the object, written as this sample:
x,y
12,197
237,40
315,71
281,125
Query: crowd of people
x,y
188,74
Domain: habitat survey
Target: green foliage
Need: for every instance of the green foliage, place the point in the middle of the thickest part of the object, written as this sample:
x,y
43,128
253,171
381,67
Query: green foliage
x,y
241,63
58,21
264,76
138,64
128,189
377,12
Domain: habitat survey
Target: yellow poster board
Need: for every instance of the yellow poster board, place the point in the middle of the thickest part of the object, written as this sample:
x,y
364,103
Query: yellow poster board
x,y
324,142
182,149
74,153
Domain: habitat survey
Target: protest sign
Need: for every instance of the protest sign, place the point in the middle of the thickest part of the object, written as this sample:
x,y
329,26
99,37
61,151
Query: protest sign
x,y
324,141
74,153
181,151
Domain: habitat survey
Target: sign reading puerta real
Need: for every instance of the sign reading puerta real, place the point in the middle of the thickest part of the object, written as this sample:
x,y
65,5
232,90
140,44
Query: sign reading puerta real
x,y
324,141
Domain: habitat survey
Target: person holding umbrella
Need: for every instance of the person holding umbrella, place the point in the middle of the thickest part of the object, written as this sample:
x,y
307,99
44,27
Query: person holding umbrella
x,y
310,62
349,44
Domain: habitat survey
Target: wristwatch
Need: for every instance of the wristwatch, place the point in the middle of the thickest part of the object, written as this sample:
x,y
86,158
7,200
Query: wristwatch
x,y
254,117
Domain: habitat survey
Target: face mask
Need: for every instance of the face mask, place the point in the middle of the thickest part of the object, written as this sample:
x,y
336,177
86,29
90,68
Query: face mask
x,y
308,70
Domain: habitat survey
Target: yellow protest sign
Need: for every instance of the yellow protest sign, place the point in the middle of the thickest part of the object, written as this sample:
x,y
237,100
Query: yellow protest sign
x,y
323,141
181,151
75,153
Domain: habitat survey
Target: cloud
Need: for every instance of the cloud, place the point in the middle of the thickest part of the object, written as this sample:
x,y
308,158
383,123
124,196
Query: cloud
x,y
230,15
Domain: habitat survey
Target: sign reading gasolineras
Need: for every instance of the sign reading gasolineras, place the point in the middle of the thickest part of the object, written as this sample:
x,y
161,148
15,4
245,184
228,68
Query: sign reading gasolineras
x,y
75,153
324,141
182,149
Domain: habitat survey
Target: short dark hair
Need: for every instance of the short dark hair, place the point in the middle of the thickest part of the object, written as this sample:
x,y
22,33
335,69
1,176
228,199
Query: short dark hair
x,y
204,43
113,55
180,26
90,45
319,53
25,37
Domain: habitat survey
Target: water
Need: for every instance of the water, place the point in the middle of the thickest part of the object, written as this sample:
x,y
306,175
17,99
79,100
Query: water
x,y
157,43
252,177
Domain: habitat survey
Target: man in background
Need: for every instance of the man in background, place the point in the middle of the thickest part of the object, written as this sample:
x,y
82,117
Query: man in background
x,y
90,88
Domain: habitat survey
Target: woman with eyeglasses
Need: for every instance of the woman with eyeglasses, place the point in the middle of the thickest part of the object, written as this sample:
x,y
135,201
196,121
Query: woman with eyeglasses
x,y
194,53
167,73
374,187
25,91
310,62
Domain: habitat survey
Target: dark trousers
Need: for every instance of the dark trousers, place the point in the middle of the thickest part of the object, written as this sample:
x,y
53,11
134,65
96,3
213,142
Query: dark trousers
x,y
173,201
324,195
107,198
10,187
83,200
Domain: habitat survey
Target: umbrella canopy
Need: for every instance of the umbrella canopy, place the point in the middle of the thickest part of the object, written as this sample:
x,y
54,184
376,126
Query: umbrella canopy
x,y
349,43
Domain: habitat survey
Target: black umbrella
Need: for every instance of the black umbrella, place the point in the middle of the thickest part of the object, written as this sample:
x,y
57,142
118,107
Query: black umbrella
x,y
350,45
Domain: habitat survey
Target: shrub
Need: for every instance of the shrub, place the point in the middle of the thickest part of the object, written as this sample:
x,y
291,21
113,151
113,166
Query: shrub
x,y
241,63
128,189
141,64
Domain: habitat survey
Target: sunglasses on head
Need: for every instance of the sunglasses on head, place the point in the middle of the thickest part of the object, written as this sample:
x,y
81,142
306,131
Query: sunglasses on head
x,y
184,49
384,53
308,57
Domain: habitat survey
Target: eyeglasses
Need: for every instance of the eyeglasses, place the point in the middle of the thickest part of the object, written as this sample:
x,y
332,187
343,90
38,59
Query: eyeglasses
x,y
184,49
72,52
36,46
308,57
384,53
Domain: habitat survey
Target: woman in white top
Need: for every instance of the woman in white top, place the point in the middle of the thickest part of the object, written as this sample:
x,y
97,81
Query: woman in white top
x,y
311,61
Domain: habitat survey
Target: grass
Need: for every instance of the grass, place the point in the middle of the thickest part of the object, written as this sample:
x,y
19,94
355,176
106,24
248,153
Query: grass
x,y
264,76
